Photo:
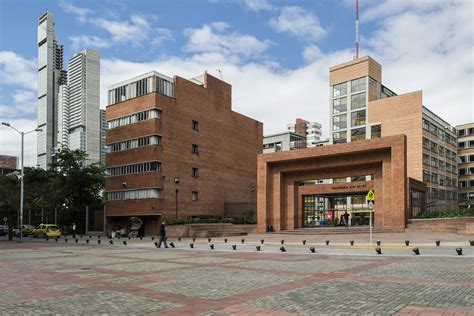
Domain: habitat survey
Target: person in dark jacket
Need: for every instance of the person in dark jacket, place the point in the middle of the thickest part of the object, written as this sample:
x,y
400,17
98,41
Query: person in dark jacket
x,y
162,236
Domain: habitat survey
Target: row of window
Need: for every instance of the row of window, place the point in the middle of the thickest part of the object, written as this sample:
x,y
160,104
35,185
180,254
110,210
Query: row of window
x,y
440,194
466,132
466,196
135,143
467,144
357,134
136,117
466,158
439,179
438,163
340,121
466,184
357,101
466,171
433,129
154,193
135,168
139,88
356,86
440,150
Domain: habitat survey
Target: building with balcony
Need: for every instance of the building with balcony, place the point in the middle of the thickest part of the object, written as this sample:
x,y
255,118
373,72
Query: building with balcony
x,y
311,131
283,141
466,164
177,150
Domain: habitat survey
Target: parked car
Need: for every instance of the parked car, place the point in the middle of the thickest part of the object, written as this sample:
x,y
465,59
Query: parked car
x,y
47,230
3,230
27,230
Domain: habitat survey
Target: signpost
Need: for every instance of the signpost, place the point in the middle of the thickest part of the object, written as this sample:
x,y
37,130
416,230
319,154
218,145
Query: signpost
x,y
371,202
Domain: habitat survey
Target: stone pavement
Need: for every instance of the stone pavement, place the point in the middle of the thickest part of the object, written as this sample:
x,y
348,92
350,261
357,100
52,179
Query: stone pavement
x,y
43,278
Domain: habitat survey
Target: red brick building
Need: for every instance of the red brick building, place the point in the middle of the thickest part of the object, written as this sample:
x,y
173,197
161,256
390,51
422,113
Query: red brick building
x,y
177,150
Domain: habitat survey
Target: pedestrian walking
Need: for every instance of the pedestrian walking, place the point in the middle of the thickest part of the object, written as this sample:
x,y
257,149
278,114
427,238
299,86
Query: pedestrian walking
x,y
162,236
346,219
74,230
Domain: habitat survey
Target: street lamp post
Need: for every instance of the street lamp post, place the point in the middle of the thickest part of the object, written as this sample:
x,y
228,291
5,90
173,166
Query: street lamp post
x,y
22,174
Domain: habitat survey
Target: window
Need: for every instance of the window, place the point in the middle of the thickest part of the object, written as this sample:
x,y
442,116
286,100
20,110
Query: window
x,y
442,180
135,143
133,118
442,195
463,159
434,177
461,132
376,131
339,137
426,143
372,82
194,196
358,134
339,122
340,180
195,149
195,173
195,126
339,105
426,124
358,178
358,118
434,147
441,151
434,162
339,90
426,176
426,159
462,171
135,168
358,85
134,194
462,184
358,101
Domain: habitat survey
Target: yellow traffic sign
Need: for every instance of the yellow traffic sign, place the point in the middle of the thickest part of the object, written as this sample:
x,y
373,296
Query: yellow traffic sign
x,y
371,195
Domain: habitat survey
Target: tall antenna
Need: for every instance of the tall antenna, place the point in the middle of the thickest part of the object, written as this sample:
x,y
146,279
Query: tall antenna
x,y
220,74
357,30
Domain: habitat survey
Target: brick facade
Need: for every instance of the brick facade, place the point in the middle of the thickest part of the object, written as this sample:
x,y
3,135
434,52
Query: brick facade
x,y
228,144
279,176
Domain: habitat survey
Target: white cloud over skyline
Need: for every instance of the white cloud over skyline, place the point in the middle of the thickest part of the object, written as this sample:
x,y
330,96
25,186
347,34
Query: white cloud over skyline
x,y
421,47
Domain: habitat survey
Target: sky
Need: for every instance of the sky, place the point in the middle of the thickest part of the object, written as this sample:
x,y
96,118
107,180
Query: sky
x,y
275,53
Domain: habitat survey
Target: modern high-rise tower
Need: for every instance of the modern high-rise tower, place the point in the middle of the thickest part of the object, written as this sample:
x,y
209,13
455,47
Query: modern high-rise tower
x,y
83,86
50,75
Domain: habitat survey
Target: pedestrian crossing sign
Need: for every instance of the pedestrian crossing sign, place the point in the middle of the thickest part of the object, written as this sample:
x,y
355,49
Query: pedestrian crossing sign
x,y
371,195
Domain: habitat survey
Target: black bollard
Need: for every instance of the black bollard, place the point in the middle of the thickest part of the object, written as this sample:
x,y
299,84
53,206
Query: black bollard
x,y
437,242
304,242
152,237
225,240
352,243
378,250
312,249
209,240
98,241
87,241
111,242
282,241
77,240
242,240
141,237
56,239
179,238
327,242
258,248
156,244
234,247
47,239
407,243
416,251
129,237
194,239
81,236
191,245
471,242
282,249
65,239
378,242
211,246
90,236
124,242
459,251
262,241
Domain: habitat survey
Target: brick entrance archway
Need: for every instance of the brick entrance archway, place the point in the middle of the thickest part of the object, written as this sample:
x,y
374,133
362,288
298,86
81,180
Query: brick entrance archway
x,y
279,195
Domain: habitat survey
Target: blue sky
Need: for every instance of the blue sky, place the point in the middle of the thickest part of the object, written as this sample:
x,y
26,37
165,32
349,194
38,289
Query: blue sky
x,y
276,54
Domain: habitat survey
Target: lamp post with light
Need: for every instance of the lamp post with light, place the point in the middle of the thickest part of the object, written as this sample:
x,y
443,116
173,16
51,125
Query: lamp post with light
x,y
21,175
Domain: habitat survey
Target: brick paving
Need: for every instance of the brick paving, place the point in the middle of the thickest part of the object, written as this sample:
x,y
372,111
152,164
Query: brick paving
x,y
40,278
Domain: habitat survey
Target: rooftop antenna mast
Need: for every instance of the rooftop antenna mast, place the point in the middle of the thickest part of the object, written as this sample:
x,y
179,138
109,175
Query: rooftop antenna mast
x,y
357,30
220,74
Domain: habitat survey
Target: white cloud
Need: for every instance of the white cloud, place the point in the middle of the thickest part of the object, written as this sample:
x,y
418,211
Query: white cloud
x,y
161,35
298,22
257,5
10,141
209,39
80,13
220,26
311,53
84,41
16,70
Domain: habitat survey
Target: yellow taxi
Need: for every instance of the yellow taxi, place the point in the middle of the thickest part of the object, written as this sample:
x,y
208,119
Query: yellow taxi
x,y
27,230
47,230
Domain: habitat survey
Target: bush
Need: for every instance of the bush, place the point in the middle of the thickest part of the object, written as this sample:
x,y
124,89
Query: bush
x,y
445,214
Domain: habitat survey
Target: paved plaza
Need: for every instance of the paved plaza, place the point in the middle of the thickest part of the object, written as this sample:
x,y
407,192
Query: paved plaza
x,y
41,277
